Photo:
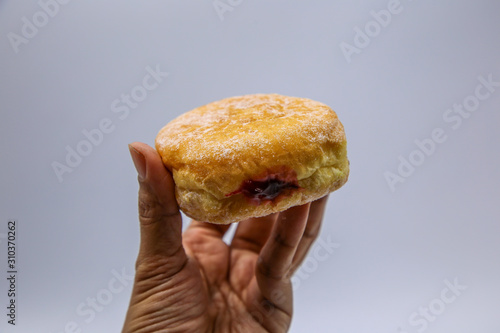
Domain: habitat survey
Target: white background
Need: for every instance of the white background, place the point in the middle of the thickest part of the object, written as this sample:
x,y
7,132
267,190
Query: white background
x,y
396,248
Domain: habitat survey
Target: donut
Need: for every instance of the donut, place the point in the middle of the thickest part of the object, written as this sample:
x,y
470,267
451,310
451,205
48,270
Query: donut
x,y
253,155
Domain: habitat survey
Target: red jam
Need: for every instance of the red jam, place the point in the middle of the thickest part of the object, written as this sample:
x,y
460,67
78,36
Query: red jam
x,y
272,186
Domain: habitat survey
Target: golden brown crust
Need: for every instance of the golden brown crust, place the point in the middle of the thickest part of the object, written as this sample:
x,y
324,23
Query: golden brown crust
x,y
213,149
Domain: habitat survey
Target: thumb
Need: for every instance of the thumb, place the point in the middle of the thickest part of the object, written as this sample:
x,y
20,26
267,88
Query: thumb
x,y
159,216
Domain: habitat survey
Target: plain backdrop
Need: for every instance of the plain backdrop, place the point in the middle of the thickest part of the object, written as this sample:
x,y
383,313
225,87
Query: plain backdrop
x,y
416,217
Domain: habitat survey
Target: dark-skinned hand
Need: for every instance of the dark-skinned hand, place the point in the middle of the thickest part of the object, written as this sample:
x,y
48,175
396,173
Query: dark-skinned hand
x,y
194,281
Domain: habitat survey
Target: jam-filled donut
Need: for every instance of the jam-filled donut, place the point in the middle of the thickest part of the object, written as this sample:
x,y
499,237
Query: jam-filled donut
x,y
253,155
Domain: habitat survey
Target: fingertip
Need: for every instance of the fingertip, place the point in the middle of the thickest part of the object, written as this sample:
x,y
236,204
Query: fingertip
x,y
139,161
157,183
154,169
323,199
297,212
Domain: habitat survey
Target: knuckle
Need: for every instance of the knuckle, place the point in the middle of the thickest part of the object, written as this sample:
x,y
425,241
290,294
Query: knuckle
x,y
152,210
268,271
311,234
283,241
148,205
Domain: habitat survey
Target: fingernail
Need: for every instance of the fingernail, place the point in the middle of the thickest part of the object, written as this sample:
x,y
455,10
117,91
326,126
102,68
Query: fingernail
x,y
139,162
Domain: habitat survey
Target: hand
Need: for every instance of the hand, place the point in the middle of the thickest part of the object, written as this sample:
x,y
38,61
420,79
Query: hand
x,y
197,283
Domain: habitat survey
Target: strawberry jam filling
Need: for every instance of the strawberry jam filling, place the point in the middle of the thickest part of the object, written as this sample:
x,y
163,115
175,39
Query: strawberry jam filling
x,y
270,187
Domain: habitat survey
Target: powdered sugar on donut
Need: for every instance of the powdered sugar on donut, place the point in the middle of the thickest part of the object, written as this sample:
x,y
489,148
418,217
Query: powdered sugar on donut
x,y
247,123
